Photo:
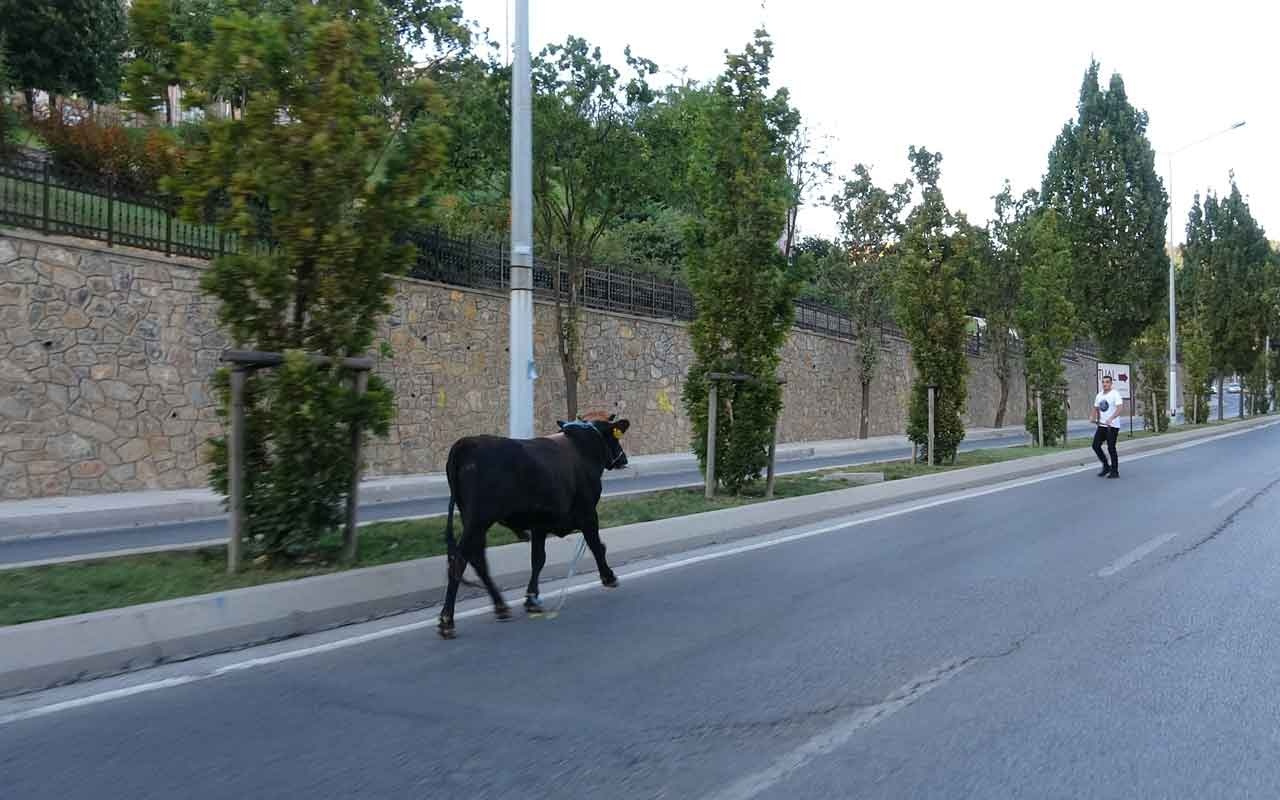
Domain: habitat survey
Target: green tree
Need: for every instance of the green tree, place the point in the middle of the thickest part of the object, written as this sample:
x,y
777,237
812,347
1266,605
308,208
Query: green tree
x,y
649,238
937,248
1045,316
476,180
871,227
157,31
668,128
1102,182
587,166
743,286
1226,262
296,177
65,46
808,168
997,286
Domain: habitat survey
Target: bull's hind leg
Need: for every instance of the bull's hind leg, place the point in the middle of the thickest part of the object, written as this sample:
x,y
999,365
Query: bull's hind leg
x,y
478,562
591,532
537,560
445,626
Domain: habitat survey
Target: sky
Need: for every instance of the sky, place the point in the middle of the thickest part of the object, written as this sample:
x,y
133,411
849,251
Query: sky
x,y
988,83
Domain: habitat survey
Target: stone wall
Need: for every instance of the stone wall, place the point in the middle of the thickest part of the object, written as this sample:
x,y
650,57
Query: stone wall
x,y
106,355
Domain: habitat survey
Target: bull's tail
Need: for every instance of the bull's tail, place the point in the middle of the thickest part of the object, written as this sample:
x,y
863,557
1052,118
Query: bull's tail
x,y
457,562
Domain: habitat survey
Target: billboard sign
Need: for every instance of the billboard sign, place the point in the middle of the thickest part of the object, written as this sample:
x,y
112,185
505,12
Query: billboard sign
x,y
1121,378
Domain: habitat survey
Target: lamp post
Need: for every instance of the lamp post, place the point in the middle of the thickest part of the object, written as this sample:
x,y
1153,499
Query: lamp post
x,y
522,370
1173,297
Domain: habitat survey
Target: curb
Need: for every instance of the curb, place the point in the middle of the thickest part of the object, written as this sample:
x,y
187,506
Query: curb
x,y
40,655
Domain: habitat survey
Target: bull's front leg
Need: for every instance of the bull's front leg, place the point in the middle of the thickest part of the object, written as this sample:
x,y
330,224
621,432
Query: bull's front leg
x,y
537,560
591,532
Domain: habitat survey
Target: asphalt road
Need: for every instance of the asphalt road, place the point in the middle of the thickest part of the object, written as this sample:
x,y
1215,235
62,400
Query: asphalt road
x,y
110,540
1068,637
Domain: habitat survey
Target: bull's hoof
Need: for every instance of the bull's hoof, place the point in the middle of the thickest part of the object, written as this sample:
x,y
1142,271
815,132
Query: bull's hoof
x,y
533,605
446,630
502,612
610,581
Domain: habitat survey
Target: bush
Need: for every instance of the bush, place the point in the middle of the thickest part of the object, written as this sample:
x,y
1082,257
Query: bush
x,y
1153,376
297,452
948,427
134,159
1055,422
1156,417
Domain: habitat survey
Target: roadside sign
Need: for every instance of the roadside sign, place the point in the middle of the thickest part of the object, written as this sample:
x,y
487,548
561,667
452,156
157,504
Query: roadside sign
x,y
1121,378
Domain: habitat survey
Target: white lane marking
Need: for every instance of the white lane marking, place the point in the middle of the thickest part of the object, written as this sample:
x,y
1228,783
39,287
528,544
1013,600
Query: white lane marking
x,y
114,694
1227,498
838,734
514,597
1135,555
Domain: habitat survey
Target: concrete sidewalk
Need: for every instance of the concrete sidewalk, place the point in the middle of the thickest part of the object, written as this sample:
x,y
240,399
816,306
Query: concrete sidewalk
x,y
57,515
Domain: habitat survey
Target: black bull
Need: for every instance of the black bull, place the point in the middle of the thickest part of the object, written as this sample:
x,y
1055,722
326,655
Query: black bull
x,y
548,485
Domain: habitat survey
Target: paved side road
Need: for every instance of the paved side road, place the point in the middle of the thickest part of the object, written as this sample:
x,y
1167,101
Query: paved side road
x,y
1064,637
115,539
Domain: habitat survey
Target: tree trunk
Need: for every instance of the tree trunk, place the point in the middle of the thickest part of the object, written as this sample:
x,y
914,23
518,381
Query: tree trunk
x,y
168,109
567,341
29,95
570,386
1003,405
1222,395
864,416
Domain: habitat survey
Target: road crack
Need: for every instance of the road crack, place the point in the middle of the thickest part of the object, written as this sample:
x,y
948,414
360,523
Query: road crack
x,y
1226,523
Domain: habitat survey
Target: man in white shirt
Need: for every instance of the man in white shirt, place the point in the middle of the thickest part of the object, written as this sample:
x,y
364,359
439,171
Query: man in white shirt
x,y
1106,410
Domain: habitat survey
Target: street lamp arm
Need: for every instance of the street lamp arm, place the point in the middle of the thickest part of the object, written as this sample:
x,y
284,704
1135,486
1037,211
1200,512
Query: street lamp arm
x,y
1207,138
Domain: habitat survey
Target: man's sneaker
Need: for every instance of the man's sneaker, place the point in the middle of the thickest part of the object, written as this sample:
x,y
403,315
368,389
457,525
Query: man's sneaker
x,y
1115,473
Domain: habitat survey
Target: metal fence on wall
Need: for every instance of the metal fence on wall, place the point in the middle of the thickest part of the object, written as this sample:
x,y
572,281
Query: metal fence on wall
x,y
37,195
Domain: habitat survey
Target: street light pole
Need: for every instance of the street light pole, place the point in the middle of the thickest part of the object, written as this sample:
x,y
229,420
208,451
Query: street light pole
x,y
1173,297
1173,317
522,371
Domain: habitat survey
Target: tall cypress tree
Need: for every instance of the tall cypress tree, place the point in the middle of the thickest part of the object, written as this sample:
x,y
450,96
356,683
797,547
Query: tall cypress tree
x,y
1102,182
997,282
938,248
743,286
870,227
1045,316
1226,268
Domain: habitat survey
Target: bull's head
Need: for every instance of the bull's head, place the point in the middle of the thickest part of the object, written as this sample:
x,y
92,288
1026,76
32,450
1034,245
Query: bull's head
x,y
610,430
